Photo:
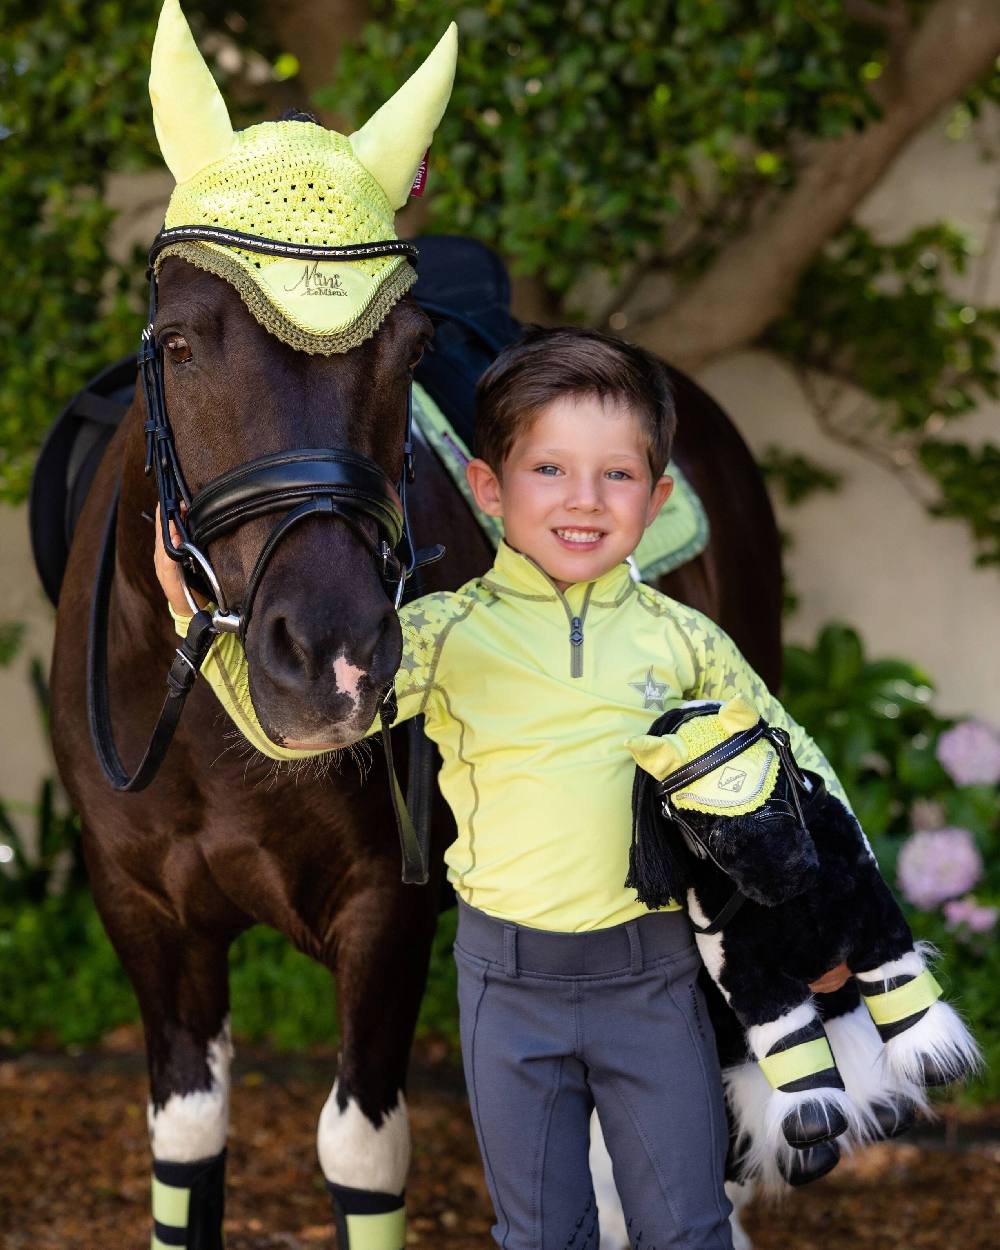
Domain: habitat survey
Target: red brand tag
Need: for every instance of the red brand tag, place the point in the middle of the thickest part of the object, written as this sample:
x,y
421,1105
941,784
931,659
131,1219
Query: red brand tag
x,y
420,177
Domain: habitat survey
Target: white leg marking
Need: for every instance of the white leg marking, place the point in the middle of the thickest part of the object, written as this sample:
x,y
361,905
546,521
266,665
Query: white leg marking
x,y
763,1036
194,1126
353,1152
611,1217
911,964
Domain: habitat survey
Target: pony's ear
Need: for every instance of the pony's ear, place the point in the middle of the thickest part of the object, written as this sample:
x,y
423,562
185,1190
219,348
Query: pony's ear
x,y
658,756
190,116
392,142
737,715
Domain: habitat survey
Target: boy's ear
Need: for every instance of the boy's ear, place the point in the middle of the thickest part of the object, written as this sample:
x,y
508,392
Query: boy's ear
x,y
659,496
485,486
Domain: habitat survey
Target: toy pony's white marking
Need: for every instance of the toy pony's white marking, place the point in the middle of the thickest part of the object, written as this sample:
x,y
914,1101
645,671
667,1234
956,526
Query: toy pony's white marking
x,y
611,1217
709,944
909,965
353,1152
860,1057
194,1126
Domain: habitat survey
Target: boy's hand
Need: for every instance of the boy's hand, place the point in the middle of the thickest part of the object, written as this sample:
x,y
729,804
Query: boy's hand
x,y
832,980
168,573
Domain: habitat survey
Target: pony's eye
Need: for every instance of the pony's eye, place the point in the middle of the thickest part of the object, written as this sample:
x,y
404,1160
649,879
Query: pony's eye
x,y
416,358
177,346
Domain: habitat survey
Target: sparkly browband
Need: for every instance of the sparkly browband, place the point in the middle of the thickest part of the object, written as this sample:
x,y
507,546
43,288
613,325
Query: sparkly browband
x,y
277,247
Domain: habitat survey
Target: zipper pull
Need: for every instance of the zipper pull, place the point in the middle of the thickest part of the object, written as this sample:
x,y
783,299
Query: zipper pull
x,y
576,642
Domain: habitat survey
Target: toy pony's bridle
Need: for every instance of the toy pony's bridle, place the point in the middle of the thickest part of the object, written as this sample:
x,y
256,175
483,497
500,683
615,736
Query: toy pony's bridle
x,y
328,481
708,762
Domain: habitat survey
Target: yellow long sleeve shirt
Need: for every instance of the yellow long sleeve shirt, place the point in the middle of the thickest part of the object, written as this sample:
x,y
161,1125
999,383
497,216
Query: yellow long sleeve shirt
x,y
530,694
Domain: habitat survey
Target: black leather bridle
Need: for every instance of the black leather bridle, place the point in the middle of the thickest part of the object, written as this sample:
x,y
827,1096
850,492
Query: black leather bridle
x,y
304,482
707,763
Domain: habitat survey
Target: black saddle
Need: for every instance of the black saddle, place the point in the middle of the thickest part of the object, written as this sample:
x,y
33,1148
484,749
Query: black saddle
x,y
462,285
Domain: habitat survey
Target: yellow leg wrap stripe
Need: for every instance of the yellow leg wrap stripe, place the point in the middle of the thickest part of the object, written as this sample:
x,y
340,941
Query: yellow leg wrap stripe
x,y
170,1204
377,1232
796,1062
904,1000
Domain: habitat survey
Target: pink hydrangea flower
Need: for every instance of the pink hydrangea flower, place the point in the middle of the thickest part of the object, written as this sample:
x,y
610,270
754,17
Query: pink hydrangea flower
x,y
969,753
938,865
977,917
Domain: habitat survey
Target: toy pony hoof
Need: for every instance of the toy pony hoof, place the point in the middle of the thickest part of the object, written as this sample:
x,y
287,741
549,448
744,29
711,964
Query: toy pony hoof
x,y
811,1123
938,1071
894,1118
810,1164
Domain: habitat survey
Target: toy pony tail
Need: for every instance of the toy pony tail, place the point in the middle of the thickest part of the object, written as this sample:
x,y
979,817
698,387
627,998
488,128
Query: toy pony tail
x,y
655,869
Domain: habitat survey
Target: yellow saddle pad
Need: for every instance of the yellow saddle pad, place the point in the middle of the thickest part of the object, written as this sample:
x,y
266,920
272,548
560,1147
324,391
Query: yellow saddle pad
x,y
677,535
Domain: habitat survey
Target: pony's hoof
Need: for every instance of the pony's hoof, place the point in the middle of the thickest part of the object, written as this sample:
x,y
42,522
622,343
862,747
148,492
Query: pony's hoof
x,y
895,1118
813,1122
936,1073
810,1164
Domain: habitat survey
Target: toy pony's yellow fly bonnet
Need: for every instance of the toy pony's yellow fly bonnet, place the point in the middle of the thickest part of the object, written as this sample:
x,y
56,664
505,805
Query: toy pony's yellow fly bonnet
x,y
326,198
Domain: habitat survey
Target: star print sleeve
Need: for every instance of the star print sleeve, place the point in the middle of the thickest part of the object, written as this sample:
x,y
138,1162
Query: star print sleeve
x,y
721,672
226,671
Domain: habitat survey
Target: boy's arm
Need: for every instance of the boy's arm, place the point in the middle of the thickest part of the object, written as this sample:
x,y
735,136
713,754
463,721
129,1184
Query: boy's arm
x,y
721,672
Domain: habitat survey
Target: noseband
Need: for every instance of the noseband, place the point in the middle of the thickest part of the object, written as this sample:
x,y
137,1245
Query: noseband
x,y
304,482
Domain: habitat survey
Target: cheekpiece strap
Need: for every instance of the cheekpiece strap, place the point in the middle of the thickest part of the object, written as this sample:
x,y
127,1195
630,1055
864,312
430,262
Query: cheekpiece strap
x,y
278,247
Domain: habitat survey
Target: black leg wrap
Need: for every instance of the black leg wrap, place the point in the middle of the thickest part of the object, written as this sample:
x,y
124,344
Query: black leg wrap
x,y
351,1205
204,1183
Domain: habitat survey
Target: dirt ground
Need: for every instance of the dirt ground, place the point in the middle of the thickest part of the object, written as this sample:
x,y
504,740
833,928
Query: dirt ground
x,y
74,1168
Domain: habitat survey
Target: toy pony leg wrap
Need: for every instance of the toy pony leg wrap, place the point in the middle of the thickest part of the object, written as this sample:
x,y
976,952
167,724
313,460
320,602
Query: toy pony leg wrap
x,y
808,1104
926,1041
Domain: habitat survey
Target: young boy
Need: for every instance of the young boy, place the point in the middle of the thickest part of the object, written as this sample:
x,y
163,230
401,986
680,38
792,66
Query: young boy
x,y
531,678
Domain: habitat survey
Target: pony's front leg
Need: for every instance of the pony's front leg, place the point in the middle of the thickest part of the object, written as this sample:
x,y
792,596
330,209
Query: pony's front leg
x,y
364,1133
181,982
926,1041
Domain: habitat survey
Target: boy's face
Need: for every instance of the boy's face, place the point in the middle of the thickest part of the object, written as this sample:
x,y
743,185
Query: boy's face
x,y
577,491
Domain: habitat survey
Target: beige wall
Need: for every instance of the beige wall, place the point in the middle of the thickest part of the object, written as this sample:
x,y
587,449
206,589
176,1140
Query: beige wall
x,y
868,555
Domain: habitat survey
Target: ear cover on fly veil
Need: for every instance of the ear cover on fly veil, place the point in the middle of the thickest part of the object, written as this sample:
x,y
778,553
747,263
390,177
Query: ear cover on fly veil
x,y
293,182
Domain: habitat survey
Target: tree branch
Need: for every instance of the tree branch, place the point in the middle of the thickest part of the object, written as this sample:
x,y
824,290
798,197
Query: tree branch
x,y
751,282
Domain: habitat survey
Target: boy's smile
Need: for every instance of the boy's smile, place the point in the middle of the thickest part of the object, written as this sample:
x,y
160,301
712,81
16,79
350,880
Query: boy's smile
x,y
576,490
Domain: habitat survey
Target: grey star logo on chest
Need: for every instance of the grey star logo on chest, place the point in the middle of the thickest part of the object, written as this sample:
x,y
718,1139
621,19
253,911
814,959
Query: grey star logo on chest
x,y
652,691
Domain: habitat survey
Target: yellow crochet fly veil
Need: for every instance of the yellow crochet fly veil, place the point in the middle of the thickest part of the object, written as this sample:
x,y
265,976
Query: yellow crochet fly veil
x,y
327,198
745,776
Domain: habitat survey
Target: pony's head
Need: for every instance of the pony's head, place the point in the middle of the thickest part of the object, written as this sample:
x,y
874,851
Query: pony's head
x,y
268,353
741,814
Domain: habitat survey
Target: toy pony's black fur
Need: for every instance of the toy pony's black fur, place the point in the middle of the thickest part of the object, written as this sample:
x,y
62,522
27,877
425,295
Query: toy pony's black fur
x,y
813,899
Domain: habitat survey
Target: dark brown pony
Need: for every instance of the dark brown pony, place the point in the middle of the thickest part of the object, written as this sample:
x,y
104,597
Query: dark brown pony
x,y
180,870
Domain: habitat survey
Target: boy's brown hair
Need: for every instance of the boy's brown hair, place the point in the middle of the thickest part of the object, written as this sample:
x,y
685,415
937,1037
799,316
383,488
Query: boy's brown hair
x,y
546,365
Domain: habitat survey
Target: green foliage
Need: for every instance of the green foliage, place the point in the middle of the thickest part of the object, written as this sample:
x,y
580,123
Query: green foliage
x,y
11,636
74,106
881,318
797,477
577,131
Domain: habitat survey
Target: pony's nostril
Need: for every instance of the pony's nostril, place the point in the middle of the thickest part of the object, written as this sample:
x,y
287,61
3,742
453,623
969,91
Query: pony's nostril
x,y
287,655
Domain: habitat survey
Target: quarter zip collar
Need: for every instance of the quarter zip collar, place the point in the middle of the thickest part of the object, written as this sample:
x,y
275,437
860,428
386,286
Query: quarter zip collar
x,y
518,576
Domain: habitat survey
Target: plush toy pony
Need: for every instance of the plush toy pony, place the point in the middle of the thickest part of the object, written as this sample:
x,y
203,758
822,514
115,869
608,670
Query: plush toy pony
x,y
781,886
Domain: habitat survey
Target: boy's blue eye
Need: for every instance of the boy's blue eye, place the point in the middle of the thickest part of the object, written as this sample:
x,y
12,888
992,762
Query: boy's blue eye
x,y
550,470
619,475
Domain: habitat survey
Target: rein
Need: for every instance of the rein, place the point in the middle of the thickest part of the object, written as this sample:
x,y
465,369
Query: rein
x,y
707,763
327,481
